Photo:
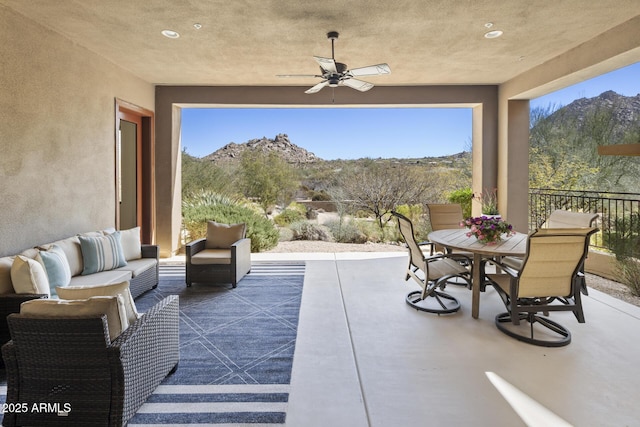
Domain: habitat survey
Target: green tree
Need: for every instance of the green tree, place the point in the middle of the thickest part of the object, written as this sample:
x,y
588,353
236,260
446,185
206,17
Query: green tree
x,y
268,178
563,150
200,174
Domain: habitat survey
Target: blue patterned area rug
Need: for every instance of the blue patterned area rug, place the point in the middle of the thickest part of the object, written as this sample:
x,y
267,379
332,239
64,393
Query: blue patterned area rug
x,y
236,348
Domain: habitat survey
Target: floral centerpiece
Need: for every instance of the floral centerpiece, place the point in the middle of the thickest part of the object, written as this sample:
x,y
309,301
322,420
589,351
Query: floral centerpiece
x,y
488,230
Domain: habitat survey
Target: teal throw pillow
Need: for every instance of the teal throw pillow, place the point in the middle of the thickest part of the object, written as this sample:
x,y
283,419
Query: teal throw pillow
x,y
56,266
101,253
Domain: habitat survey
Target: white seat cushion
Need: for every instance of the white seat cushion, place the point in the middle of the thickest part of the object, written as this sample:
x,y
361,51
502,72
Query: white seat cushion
x,y
110,290
212,256
102,278
112,306
138,266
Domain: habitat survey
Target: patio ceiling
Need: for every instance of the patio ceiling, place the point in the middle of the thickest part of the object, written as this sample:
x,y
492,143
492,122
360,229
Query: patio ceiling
x,y
247,43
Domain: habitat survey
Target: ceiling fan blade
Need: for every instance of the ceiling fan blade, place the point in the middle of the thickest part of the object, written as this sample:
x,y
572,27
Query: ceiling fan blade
x,y
356,84
327,64
298,75
317,87
371,70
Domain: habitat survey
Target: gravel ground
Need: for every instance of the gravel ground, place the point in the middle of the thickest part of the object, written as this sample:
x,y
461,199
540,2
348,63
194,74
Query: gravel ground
x,y
615,289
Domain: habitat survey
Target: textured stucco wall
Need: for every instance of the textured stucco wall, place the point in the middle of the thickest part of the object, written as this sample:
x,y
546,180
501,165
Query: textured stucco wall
x,y
57,134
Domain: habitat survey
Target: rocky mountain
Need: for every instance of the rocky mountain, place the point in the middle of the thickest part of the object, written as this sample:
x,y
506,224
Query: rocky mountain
x,y
625,111
280,144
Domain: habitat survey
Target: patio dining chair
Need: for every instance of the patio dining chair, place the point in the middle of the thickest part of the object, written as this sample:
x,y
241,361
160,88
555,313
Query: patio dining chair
x,y
444,216
561,218
545,283
432,273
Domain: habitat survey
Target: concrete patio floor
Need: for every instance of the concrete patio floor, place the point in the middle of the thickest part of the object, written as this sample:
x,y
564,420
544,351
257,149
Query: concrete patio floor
x,y
365,358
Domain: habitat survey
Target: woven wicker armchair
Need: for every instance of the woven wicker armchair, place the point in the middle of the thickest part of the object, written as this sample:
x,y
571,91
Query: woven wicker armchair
x,y
224,256
72,361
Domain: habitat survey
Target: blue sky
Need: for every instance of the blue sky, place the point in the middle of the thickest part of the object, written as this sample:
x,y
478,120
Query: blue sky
x,y
334,133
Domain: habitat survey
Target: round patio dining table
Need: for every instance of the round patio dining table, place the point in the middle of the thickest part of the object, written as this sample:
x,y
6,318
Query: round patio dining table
x,y
515,245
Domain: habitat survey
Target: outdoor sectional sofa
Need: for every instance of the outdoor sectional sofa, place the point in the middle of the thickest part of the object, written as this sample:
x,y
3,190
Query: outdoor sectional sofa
x,y
140,269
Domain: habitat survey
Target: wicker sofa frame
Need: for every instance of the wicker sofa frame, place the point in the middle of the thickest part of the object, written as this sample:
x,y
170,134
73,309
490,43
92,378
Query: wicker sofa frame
x,y
72,361
147,280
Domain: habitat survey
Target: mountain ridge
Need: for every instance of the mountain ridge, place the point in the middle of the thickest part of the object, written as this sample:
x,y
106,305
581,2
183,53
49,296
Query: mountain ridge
x,y
626,113
281,144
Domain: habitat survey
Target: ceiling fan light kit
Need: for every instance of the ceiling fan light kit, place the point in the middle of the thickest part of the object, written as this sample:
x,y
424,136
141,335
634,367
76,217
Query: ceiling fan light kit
x,y
334,74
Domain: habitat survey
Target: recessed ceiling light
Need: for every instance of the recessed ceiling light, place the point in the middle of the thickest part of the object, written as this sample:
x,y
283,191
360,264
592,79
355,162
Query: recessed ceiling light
x,y
197,26
171,34
493,34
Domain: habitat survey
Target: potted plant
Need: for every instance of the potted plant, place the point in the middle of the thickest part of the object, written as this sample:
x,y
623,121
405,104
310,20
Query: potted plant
x,y
489,201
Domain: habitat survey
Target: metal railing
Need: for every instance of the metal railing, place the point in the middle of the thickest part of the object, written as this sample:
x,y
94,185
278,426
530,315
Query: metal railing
x,y
619,215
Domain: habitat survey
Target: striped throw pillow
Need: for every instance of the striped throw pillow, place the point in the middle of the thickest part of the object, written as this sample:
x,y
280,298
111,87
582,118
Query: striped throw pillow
x,y
100,253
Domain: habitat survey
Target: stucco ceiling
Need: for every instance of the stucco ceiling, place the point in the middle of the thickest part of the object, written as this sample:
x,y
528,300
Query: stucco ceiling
x,y
249,42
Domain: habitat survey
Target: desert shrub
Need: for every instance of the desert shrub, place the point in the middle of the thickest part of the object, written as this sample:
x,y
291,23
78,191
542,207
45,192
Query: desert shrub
x,y
463,197
628,270
345,231
421,227
371,231
289,216
306,230
286,234
196,211
413,212
320,196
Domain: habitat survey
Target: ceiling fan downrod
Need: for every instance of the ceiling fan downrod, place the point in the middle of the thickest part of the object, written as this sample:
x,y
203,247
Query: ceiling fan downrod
x,y
333,36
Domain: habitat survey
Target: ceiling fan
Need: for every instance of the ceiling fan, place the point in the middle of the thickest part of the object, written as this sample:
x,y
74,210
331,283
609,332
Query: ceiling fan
x,y
335,74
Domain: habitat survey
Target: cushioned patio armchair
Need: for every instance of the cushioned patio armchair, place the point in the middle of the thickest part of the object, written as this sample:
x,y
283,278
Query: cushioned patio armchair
x,y
74,374
432,273
545,283
224,256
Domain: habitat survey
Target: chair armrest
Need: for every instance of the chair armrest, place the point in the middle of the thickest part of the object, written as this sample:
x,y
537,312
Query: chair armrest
x,y
504,267
431,245
194,247
454,256
241,255
162,315
150,251
243,244
142,356
10,303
